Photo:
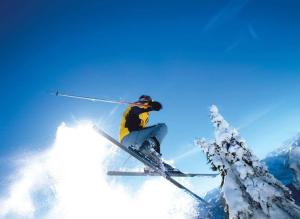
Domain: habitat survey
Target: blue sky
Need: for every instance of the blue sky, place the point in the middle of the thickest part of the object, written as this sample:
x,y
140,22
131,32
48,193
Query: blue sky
x,y
242,56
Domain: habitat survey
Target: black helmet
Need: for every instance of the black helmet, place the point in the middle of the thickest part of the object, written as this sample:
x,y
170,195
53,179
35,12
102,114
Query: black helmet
x,y
145,98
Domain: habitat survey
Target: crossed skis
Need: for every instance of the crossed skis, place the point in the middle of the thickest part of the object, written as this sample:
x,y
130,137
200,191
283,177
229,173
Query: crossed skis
x,y
167,172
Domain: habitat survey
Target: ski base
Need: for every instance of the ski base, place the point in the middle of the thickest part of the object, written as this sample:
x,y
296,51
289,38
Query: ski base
x,y
152,173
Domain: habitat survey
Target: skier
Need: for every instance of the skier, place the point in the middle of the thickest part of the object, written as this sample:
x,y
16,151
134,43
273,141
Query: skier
x,y
133,130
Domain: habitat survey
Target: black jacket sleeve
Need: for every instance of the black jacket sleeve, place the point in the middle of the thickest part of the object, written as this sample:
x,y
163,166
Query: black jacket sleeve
x,y
156,106
133,120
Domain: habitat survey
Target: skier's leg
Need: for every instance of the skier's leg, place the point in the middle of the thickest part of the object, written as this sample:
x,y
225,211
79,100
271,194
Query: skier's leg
x,y
137,139
151,137
158,135
130,140
158,132
148,142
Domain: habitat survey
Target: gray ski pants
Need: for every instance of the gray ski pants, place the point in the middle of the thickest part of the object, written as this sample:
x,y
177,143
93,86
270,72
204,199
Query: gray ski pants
x,y
137,138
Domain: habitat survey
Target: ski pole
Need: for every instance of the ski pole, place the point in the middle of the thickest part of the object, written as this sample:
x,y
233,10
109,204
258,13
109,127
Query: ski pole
x,y
94,99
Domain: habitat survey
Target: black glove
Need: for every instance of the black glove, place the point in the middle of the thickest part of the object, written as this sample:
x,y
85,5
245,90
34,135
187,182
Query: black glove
x,y
156,106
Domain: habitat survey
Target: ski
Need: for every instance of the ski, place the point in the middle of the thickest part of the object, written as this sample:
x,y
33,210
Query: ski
x,y
149,163
152,173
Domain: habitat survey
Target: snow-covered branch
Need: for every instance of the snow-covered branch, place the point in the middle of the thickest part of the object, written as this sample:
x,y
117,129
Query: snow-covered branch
x,y
250,191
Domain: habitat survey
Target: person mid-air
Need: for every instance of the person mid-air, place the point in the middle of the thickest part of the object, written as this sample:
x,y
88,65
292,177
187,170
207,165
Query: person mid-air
x,y
142,142
133,130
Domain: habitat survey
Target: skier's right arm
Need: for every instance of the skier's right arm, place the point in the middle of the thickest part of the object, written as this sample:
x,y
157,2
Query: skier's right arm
x,y
152,106
155,106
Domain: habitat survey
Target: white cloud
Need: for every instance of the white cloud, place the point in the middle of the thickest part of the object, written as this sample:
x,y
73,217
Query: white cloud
x,y
69,181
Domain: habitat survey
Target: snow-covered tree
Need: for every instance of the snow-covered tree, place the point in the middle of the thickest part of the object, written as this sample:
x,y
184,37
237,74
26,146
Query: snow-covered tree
x,y
249,190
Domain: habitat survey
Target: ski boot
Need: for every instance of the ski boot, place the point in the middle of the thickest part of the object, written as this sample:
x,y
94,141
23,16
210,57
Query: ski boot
x,y
151,149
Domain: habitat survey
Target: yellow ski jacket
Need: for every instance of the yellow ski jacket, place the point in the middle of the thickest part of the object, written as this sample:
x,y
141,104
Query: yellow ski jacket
x,y
134,118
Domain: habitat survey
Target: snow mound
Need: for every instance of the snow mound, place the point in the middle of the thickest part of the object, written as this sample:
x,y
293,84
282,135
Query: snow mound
x,y
69,181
